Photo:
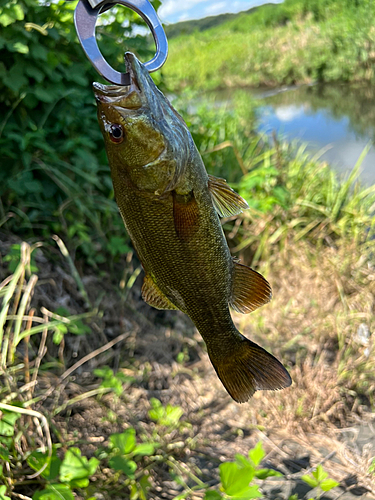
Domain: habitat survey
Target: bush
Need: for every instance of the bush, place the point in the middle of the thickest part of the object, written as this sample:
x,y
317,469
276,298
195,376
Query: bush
x,y
54,176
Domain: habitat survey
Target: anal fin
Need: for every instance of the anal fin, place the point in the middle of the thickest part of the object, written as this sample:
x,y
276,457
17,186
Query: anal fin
x,y
226,201
154,296
249,289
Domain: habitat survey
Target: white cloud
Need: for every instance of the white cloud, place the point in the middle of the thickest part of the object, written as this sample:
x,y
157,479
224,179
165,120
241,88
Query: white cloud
x,y
215,8
173,7
172,11
288,113
183,17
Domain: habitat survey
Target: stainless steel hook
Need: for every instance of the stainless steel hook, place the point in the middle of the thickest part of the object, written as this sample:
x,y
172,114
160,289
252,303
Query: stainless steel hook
x,y
85,17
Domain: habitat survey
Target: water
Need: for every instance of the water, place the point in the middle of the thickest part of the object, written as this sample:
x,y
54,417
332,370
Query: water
x,y
338,120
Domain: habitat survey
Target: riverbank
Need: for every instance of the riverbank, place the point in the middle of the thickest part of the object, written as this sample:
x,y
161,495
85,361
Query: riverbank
x,y
318,324
102,396
308,234
291,43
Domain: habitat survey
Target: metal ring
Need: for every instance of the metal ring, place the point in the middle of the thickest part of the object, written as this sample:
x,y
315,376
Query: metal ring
x,y
85,20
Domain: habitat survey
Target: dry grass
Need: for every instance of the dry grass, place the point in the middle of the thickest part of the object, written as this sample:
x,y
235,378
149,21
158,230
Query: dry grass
x,y
321,297
312,326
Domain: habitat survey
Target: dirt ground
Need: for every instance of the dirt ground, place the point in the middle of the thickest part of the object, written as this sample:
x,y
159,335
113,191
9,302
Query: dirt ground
x,y
312,325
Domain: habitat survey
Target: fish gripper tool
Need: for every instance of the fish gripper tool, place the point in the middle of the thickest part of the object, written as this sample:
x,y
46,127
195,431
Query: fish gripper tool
x,y
85,17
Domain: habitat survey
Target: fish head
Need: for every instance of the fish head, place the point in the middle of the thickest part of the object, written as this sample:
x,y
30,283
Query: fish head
x,y
145,138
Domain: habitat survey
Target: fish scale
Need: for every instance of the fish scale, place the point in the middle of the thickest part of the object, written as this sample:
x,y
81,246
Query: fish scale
x,y
170,208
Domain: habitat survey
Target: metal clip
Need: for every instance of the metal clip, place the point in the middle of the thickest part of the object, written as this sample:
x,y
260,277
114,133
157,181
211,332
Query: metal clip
x,y
85,16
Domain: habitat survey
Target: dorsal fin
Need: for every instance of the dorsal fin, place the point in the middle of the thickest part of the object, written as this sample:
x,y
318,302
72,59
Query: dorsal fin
x,y
154,296
186,215
249,289
226,201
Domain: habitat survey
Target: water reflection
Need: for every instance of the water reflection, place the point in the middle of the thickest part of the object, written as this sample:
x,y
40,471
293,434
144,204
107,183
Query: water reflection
x,y
340,118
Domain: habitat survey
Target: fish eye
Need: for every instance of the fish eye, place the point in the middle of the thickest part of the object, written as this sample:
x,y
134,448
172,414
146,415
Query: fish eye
x,y
116,133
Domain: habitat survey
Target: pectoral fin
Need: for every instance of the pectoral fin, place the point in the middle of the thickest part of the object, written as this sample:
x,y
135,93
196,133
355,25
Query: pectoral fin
x,y
154,296
186,215
226,201
249,289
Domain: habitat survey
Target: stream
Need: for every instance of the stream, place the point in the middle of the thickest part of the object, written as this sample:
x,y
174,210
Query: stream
x,y
338,120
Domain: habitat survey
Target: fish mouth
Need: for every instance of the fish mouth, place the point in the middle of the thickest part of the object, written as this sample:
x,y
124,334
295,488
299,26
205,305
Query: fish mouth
x,y
114,94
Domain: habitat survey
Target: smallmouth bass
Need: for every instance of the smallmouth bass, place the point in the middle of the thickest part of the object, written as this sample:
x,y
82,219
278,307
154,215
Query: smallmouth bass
x,y
170,207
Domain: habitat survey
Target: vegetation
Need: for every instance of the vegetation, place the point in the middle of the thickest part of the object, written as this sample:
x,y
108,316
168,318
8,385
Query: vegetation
x,y
195,25
298,41
53,180
102,396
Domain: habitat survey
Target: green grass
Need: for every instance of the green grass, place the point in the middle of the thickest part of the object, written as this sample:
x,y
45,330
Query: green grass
x,y
294,42
35,459
301,196
311,233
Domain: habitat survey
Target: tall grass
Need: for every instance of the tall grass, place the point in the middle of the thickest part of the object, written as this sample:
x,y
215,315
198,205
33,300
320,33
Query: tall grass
x,y
305,200
21,359
289,43
291,193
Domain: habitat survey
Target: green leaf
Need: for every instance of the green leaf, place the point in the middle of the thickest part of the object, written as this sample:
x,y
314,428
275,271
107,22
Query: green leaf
x,y
5,19
112,380
257,454
7,423
118,246
11,13
212,495
170,415
19,47
181,496
125,441
54,492
103,372
74,466
235,479
3,490
264,473
144,486
44,95
39,52
79,483
251,492
328,484
14,78
118,462
4,453
37,459
311,481
144,449
78,327
173,414
320,473
33,186
243,461
157,411
35,73
58,335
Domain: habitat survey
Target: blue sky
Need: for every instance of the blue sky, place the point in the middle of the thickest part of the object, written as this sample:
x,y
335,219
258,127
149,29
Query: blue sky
x,y
173,11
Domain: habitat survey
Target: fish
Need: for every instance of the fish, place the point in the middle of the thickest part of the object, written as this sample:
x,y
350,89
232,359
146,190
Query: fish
x,y
171,209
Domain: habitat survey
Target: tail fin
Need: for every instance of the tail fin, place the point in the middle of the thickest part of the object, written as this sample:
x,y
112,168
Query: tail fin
x,y
250,368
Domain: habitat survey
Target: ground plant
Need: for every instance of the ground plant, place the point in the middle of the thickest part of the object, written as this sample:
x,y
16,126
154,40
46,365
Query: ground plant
x,y
294,42
103,397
